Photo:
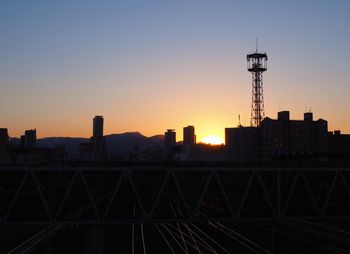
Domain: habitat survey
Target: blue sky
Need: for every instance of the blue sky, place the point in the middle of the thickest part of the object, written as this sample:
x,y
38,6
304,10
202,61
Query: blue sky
x,y
153,65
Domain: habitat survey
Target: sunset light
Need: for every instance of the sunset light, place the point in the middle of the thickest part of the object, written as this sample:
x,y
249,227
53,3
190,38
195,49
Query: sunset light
x,y
213,140
174,126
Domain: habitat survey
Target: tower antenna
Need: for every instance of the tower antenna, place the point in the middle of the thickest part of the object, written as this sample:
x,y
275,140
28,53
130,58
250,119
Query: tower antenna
x,y
256,44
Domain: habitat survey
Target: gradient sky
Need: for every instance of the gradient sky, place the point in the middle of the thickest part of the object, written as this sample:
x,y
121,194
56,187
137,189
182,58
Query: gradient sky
x,y
151,65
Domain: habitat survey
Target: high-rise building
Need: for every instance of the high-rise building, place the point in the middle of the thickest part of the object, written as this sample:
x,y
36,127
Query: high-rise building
x,y
4,139
98,140
189,140
189,137
169,144
97,131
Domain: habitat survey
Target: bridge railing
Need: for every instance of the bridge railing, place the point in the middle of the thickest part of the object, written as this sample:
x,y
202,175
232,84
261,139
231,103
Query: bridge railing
x,y
116,195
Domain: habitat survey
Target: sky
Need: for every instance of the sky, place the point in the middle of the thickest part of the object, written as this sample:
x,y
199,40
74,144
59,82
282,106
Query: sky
x,y
152,65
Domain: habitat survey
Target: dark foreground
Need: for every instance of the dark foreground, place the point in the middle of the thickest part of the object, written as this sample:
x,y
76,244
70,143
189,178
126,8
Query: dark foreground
x,y
292,237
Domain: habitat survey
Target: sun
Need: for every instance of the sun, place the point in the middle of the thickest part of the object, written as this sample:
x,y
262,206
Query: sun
x,y
213,140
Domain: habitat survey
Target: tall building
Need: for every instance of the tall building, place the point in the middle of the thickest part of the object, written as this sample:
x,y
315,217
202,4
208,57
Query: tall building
x,y
97,130
4,139
28,140
189,137
169,144
189,140
98,140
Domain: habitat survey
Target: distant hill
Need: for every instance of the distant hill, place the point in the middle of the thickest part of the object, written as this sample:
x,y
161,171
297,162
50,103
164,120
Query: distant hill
x,y
117,144
122,144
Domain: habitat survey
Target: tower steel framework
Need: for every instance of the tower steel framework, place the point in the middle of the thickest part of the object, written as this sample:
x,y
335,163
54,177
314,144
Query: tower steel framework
x,y
257,64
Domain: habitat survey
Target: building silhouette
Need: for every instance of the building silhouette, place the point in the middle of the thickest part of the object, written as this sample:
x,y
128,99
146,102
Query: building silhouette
x,y
339,145
95,149
97,130
189,140
286,137
4,139
97,144
281,137
188,150
28,140
29,152
169,144
189,137
241,143
98,139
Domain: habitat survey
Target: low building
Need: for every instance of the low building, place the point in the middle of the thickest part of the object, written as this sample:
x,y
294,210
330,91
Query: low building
x,y
241,143
339,144
281,137
38,156
289,138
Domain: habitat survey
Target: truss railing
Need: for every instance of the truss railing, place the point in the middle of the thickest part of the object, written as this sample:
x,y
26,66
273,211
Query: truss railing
x,y
98,195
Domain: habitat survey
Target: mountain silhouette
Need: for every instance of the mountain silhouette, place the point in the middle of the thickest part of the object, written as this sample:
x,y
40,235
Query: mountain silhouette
x,y
117,144
123,144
